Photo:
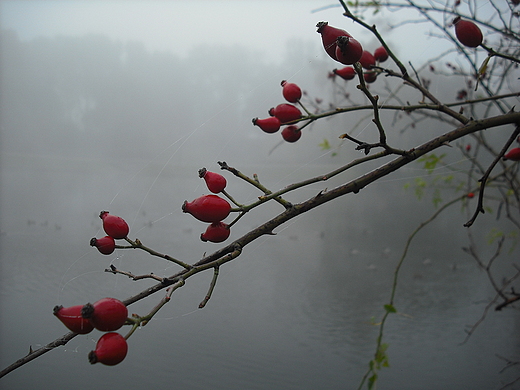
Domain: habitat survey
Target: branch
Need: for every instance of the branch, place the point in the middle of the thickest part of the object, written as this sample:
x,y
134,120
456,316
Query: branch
x,y
37,353
483,180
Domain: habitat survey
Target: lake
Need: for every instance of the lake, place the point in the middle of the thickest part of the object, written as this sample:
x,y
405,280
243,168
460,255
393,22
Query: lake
x,y
295,311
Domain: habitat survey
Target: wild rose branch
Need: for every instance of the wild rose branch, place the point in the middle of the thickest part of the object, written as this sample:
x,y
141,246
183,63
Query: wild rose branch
x,y
214,209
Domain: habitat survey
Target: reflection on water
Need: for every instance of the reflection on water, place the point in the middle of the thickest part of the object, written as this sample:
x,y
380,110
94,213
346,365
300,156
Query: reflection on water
x,y
295,311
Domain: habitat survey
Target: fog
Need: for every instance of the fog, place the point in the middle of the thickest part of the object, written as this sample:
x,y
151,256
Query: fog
x,y
91,122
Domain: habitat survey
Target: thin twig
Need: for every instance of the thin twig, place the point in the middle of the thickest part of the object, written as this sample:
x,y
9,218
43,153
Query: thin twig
x,y
114,270
483,180
211,288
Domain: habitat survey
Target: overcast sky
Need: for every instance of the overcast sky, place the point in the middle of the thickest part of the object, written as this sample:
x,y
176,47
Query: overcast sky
x,y
180,25
171,25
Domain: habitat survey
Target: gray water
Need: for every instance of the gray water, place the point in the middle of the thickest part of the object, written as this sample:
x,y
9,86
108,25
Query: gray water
x,y
294,311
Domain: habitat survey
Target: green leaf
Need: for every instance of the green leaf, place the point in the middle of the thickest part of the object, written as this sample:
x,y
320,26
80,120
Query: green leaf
x,y
390,308
494,235
448,179
372,381
325,145
420,185
430,161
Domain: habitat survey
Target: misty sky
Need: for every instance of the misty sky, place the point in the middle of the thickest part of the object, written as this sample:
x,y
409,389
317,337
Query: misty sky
x,y
170,25
179,26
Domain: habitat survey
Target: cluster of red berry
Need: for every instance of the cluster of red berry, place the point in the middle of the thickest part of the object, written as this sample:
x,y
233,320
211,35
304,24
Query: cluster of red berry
x,y
115,228
342,47
284,113
106,315
368,61
211,208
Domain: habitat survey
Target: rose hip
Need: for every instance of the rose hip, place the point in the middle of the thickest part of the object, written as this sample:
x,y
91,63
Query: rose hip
x,y
114,226
291,92
467,32
107,314
286,112
208,208
346,73
216,232
269,125
72,319
380,54
370,77
367,60
105,245
513,155
329,36
214,181
348,50
291,133
111,349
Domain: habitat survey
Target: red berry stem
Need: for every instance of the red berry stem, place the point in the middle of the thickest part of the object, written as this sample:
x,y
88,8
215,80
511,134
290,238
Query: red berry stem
x,y
232,200
309,114
493,53
137,244
114,270
255,182
237,218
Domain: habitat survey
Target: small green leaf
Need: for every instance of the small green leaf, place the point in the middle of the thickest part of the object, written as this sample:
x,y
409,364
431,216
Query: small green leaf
x,y
420,185
430,161
390,308
325,145
372,381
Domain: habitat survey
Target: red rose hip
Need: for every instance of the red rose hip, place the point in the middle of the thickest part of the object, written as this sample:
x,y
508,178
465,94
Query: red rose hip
x,y
380,54
105,245
467,32
286,112
107,314
111,349
513,155
348,50
346,73
329,36
269,125
72,319
114,226
291,92
208,208
291,133
214,181
367,60
216,232
370,77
